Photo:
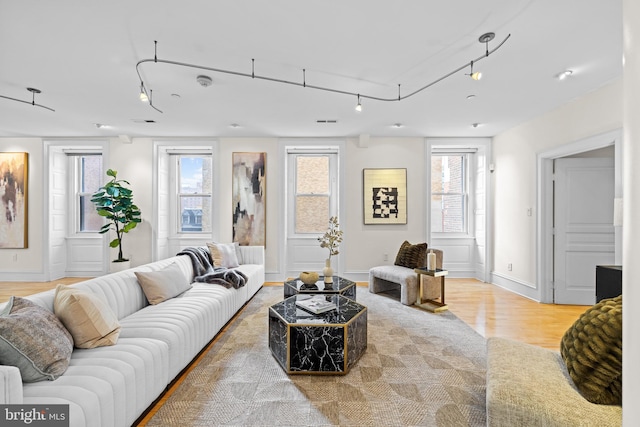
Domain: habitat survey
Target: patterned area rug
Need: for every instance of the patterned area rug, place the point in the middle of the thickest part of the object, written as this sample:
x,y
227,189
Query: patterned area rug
x,y
419,369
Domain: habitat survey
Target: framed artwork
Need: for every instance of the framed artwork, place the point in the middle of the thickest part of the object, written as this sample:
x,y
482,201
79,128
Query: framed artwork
x,y
13,200
249,199
384,196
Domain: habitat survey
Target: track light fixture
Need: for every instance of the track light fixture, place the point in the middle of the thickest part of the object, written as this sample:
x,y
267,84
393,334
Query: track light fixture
x,y
359,106
33,99
475,76
143,94
485,38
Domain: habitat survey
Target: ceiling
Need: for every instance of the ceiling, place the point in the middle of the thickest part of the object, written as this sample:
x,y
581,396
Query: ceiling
x,y
82,55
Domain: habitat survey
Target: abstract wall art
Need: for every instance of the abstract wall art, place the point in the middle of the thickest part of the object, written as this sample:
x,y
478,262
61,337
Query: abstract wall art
x,y
384,196
13,200
249,199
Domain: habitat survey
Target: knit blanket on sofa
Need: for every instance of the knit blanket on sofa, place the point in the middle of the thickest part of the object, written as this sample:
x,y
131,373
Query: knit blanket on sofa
x,y
205,272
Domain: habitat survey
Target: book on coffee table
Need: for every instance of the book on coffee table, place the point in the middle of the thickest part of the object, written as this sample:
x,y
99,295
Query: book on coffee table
x,y
316,304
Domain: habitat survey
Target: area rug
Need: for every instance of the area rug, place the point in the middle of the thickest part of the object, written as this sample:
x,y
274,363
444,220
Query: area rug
x,y
419,369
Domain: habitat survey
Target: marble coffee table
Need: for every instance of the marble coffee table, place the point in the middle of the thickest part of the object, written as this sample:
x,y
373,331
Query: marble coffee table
x,y
326,343
340,285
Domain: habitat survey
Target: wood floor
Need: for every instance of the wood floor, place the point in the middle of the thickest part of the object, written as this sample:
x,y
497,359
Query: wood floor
x,y
489,309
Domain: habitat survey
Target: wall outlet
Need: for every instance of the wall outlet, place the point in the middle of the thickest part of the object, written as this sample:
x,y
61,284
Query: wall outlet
x,y
15,257
510,267
385,257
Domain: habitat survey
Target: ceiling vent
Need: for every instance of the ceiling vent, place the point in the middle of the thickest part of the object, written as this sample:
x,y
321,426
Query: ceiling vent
x,y
326,121
205,81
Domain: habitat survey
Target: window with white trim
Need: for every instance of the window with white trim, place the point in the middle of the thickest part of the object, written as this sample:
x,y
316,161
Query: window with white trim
x,y
88,177
193,195
449,192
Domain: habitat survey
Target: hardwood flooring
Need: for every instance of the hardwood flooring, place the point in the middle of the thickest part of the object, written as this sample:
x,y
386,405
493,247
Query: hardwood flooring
x,y
489,309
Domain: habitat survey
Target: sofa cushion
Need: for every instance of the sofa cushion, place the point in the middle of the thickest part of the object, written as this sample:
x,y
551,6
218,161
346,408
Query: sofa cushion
x,y
412,256
224,254
87,317
34,340
161,285
592,351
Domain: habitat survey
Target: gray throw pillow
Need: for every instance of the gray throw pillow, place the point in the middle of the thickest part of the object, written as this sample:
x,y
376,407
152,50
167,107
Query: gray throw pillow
x,y
34,340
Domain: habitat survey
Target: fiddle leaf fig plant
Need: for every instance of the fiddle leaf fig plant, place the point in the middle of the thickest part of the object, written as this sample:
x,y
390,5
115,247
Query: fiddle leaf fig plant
x,y
114,201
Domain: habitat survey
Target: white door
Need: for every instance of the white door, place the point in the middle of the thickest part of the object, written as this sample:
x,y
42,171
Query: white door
x,y
583,220
58,214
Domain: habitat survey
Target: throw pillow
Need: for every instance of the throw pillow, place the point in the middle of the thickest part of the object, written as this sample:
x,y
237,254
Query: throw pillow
x,y
161,285
412,256
33,339
592,351
224,254
89,319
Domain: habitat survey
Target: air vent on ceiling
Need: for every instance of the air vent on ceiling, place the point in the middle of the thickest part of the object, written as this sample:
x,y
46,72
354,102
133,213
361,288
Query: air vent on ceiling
x,y
326,121
144,121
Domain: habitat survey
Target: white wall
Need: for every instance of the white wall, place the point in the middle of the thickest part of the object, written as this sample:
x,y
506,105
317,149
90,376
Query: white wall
x,y
514,180
364,246
631,198
28,264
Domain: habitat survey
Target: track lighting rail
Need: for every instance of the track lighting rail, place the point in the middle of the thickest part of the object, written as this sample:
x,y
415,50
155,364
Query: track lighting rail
x,y
485,38
33,99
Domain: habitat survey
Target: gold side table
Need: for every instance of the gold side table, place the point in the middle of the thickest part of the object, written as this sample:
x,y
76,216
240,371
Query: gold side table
x,y
431,305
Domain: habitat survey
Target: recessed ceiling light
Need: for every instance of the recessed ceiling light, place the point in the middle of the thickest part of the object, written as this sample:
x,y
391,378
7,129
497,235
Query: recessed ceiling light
x,y
563,75
102,126
175,95
234,125
397,125
475,125
471,97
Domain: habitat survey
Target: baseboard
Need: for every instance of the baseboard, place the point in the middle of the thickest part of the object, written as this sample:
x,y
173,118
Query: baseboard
x,y
22,277
527,290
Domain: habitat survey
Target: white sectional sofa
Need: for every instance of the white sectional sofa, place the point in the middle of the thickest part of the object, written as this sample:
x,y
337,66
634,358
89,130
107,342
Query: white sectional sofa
x,y
114,385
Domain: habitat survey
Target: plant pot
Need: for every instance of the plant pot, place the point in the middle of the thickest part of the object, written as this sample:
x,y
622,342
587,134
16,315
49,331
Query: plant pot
x,y
119,266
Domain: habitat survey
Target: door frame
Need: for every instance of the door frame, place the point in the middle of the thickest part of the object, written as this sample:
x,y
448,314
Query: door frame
x,y
544,203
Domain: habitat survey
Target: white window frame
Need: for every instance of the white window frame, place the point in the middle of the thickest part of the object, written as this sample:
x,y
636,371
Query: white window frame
x,y
175,195
467,194
75,167
293,153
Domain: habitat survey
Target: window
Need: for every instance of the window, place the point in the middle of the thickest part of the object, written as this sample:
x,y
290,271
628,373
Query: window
x,y
312,193
88,171
194,191
449,182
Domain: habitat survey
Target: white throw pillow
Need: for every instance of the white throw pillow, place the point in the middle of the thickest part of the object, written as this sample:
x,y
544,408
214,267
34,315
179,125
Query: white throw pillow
x,y
88,318
161,285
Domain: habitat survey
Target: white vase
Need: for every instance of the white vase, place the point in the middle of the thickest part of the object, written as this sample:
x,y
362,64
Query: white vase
x,y
327,271
119,266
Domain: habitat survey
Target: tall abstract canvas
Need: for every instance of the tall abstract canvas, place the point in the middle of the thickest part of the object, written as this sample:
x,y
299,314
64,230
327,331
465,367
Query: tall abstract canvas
x,y
13,200
249,199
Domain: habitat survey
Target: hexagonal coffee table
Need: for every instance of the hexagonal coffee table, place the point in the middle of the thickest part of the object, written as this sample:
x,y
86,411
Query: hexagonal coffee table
x,y
326,343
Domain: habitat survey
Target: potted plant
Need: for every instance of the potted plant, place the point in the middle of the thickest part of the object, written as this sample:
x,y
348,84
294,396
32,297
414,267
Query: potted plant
x,y
114,201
